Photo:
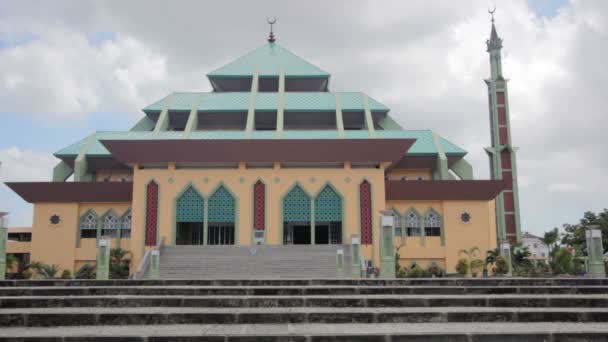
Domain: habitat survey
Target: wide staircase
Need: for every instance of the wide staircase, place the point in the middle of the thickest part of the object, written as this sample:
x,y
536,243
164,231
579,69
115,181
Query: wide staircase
x,y
251,309
230,262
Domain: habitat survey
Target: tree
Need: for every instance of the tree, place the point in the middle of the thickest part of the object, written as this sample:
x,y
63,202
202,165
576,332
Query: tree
x,y
473,263
120,260
574,235
550,238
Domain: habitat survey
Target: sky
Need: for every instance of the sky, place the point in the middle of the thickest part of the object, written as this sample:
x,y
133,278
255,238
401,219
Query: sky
x,y
70,68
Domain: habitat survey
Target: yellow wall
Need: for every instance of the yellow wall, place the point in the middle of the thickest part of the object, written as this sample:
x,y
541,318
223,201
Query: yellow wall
x,y
240,182
480,232
56,244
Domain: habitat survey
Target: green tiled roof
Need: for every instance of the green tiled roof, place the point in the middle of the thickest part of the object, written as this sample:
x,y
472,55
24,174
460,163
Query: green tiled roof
x,y
239,101
268,60
424,144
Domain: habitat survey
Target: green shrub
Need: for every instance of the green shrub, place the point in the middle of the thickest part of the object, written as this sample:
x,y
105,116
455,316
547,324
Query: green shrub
x,y
562,262
476,266
462,267
86,271
501,265
435,270
120,261
402,273
66,274
418,272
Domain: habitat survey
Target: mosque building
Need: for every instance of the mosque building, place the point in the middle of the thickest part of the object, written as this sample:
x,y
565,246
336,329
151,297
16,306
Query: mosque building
x,y
272,156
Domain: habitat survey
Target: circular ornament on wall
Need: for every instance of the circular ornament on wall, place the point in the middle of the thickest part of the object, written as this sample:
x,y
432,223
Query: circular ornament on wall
x,y
465,217
277,179
242,180
55,219
347,179
205,180
312,179
170,180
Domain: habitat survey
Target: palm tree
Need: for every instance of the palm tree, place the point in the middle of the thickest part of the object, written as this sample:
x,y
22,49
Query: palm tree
x,y
550,238
491,257
471,254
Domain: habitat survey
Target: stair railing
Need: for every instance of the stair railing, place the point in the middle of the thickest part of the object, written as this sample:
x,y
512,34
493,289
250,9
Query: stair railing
x,y
144,264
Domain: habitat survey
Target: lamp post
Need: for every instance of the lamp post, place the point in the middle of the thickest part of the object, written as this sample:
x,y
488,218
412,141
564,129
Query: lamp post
x,y
505,252
3,238
595,252
387,248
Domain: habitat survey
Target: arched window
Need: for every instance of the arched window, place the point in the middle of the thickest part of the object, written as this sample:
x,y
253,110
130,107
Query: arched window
x,y
397,218
88,226
109,225
297,217
412,224
432,224
328,217
221,221
125,225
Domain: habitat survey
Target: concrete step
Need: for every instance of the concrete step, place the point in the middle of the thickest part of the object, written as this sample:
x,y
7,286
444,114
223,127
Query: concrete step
x,y
262,301
48,317
296,290
378,332
258,281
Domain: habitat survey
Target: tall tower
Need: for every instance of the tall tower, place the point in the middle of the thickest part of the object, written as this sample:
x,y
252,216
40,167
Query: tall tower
x,y
503,164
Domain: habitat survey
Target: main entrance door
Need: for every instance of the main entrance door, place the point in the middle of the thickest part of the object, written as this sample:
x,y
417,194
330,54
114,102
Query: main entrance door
x,y
189,233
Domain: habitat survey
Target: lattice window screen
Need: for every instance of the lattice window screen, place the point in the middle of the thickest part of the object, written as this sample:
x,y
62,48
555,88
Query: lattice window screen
x,y
221,206
296,206
328,206
189,207
151,213
259,205
366,212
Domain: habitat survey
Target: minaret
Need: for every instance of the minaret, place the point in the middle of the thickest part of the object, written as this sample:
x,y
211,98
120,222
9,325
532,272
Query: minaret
x,y
503,164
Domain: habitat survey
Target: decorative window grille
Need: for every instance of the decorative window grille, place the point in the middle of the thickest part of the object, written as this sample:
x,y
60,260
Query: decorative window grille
x,y
296,206
397,218
110,225
125,226
151,213
412,224
328,206
221,206
189,207
365,195
259,205
88,226
432,224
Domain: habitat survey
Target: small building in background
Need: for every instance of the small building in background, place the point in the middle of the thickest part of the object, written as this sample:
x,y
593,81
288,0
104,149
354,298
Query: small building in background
x,y
536,245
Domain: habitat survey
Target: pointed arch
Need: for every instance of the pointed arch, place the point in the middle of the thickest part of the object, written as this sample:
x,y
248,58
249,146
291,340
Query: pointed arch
x,y
221,217
125,224
152,198
329,213
328,205
432,223
88,226
399,220
189,205
297,205
110,224
296,210
413,223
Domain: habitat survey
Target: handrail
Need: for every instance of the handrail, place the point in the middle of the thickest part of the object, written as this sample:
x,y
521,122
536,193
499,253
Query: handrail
x,y
144,264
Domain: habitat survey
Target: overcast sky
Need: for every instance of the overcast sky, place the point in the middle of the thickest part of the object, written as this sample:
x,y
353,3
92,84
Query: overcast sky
x,y
68,68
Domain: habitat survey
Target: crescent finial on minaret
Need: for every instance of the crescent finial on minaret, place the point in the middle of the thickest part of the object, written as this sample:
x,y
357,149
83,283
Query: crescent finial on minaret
x,y
271,21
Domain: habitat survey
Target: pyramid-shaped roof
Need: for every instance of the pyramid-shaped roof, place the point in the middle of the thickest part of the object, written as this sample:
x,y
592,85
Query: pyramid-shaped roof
x,y
267,61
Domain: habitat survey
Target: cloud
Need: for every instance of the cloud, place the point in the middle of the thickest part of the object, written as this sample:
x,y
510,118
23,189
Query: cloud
x,y
63,75
425,60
